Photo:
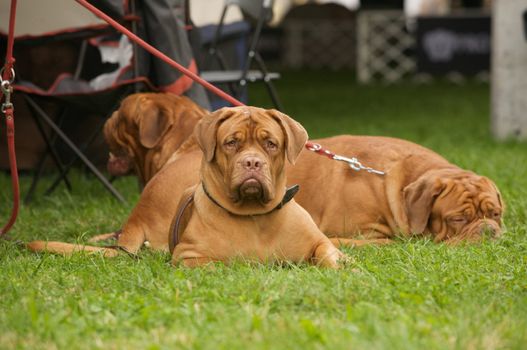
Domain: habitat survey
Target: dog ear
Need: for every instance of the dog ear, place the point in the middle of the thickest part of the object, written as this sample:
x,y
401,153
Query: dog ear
x,y
205,131
419,197
500,199
491,184
110,126
295,134
153,124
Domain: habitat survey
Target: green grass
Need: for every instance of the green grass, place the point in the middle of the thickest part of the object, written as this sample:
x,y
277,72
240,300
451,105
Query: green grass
x,y
411,295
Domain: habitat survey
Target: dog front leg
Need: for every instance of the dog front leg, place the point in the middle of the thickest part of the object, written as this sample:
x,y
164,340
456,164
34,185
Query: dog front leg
x,y
131,239
326,255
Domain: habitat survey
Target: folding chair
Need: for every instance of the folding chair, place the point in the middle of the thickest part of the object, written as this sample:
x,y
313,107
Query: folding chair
x,y
259,12
159,18
69,91
74,96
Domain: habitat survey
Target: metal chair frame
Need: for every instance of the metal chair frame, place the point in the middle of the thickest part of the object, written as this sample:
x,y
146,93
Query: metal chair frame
x,y
40,117
260,12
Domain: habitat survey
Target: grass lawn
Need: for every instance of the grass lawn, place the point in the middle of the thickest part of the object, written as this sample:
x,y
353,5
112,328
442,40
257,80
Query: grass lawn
x,y
410,295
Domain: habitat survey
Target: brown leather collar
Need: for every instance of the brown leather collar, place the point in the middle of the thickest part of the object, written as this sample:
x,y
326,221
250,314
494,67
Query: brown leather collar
x,y
289,194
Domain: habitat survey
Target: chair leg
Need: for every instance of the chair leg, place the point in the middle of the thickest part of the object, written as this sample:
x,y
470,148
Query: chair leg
x,y
274,95
36,177
67,167
75,149
50,149
54,140
268,83
91,139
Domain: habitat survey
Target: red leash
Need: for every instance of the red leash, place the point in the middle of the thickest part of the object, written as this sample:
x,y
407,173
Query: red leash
x,y
353,162
158,53
7,78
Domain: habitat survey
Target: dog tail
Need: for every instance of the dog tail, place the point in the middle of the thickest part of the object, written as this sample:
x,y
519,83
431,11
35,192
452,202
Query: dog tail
x,y
68,249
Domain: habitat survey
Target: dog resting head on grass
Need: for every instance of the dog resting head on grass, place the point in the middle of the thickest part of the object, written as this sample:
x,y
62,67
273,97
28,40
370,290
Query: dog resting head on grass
x,y
240,208
455,205
146,130
421,194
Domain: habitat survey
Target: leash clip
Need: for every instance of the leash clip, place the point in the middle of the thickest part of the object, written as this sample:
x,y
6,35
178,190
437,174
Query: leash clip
x,y
356,165
7,89
314,147
11,80
352,162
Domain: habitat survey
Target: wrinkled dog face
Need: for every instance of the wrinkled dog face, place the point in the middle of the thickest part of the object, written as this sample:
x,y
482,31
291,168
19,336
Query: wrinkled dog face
x,y
247,148
138,126
462,207
120,158
468,209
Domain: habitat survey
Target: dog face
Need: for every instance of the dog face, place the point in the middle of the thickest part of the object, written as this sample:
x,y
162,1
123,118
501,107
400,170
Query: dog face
x,y
245,150
454,206
120,157
145,125
138,125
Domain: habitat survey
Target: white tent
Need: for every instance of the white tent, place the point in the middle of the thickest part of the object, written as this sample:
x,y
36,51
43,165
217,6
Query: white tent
x,y
35,18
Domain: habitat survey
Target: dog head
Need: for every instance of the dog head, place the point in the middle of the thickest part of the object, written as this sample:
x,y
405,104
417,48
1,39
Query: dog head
x,y
146,130
245,150
454,205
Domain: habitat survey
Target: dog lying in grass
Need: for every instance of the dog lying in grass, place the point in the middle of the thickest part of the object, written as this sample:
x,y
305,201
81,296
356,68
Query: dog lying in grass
x,y
422,194
317,173
241,207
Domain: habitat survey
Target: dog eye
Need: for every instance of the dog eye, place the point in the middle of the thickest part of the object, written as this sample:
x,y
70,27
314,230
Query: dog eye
x,y
495,215
270,145
458,219
231,143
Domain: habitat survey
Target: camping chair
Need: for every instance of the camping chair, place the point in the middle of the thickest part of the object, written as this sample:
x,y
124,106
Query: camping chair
x,y
69,91
259,12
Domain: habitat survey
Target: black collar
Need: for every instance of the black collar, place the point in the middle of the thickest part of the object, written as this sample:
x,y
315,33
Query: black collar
x,y
289,194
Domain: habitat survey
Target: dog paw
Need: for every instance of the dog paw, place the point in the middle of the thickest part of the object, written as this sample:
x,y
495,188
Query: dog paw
x,y
345,260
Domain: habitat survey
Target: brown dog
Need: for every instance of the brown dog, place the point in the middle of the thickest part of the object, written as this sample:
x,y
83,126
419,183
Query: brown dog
x,y
146,130
421,194
123,131
241,207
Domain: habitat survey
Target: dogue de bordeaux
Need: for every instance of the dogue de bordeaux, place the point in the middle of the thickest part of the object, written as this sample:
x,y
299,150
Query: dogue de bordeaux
x,y
318,175
146,131
241,207
421,194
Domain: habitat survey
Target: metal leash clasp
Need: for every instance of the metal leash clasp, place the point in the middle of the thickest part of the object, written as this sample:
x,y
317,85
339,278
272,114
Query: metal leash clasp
x,y
356,165
7,89
314,147
352,162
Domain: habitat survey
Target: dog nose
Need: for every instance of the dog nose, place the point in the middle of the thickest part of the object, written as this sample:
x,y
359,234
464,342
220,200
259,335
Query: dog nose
x,y
252,163
490,231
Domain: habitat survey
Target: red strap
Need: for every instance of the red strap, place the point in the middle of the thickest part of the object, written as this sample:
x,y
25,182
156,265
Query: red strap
x,y
317,148
158,53
10,126
309,145
7,109
9,59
